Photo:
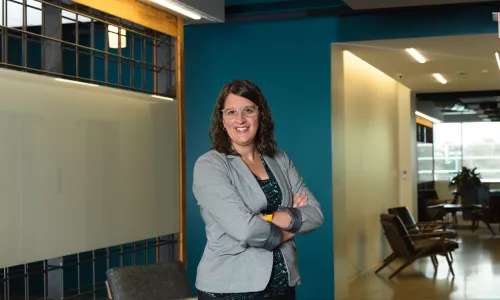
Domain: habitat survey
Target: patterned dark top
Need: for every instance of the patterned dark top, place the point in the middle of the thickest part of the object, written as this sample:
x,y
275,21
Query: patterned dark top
x,y
278,284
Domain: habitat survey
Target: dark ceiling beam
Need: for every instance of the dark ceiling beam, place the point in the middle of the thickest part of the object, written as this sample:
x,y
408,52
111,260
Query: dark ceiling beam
x,y
283,15
282,10
290,5
455,96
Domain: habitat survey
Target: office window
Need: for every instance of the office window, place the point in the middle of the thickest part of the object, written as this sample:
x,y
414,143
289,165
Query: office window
x,y
425,162
481,149
475,144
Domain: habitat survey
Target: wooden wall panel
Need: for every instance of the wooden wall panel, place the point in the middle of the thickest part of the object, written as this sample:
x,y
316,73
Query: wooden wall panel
x,y
424,122
179,58
136,12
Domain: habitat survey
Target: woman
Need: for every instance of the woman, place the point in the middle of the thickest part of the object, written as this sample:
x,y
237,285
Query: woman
x,y
253,202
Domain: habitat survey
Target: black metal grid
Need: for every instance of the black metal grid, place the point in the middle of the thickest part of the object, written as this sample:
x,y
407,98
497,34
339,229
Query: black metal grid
x,y
84,48
83,275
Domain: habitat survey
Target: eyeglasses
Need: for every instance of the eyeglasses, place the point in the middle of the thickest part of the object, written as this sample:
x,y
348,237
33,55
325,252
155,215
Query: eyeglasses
x,y
247,111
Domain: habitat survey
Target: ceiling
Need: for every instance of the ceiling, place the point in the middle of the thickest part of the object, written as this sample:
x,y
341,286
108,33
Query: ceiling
x,y
467,62
377,4
258,10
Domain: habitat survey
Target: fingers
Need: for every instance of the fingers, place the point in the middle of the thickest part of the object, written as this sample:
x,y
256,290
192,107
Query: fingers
x,y
299,200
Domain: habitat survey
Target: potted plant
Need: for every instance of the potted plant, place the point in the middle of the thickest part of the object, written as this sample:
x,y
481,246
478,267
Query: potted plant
x,y
467,183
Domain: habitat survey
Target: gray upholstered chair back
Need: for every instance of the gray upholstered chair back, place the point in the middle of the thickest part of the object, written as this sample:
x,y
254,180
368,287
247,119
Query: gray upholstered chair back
x,y
149,282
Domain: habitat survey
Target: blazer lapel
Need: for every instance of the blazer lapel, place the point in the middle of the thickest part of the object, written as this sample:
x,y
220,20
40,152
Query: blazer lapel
x,y
245,172
280,177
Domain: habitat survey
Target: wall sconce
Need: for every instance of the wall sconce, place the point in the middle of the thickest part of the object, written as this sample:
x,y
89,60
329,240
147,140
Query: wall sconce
x,y
113,37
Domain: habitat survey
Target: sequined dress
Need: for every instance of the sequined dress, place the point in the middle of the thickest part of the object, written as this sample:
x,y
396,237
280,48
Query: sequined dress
x,y
278,283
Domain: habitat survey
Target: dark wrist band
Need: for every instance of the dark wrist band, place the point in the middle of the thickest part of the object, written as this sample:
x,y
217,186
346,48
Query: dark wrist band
x,y
295,219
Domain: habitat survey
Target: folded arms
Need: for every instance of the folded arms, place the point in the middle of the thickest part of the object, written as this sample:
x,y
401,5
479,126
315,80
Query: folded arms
x,y
216,194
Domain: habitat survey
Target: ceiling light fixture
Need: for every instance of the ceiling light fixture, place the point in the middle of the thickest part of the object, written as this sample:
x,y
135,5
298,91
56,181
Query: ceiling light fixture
x,y
416,55
440,78
498,59
177,8
162,98
75,82
433,120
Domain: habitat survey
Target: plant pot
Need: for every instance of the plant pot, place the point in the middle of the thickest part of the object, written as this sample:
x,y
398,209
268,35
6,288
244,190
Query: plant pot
x,y
469,197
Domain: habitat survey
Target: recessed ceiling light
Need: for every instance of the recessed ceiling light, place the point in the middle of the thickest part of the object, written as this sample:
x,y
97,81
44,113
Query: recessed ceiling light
x,y
177,8
440,78
416,55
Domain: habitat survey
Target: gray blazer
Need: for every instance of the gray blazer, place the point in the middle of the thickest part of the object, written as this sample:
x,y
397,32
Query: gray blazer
x,y
238,255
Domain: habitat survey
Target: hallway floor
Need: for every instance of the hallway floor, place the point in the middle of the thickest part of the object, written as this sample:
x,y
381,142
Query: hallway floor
x,y
476,266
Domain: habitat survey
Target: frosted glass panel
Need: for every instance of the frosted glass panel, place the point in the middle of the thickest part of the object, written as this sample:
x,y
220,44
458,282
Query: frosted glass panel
x,y
82,167
447,150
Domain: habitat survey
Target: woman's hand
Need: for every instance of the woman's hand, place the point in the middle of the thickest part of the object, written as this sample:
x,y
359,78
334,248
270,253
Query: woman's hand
x,y
299,200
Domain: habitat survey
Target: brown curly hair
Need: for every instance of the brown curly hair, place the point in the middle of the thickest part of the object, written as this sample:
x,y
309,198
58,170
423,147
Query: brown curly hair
x,y
264,139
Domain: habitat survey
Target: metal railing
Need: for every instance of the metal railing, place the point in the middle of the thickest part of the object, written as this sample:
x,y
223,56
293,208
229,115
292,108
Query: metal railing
x,y
82,275
63,39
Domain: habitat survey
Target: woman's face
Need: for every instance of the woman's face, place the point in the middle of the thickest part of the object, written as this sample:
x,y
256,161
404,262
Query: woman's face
x,y
241,120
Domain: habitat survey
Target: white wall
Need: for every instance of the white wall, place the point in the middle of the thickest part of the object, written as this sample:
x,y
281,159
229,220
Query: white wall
x,y
373,143
82,167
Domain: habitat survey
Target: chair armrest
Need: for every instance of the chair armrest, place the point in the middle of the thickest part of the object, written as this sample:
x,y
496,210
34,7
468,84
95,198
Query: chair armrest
x,y
435,223
428,235
110,296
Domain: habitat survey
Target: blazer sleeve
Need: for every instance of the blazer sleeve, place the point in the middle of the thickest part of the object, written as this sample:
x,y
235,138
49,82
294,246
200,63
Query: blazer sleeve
x,y
311,214
216,194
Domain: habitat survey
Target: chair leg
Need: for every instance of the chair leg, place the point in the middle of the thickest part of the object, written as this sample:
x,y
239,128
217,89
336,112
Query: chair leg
x,y
390,257
387,262
406,264
489,227
434,262
449,265
451,257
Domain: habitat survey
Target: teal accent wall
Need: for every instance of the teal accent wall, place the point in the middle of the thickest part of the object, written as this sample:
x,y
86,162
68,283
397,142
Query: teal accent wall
x,y
290,61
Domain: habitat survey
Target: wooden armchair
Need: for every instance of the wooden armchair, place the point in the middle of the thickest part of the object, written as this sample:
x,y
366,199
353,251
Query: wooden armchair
x,y
436,228
406,249
489,214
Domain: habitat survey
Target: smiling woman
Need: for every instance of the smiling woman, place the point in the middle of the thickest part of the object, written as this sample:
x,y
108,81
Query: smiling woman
x,y
253,202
